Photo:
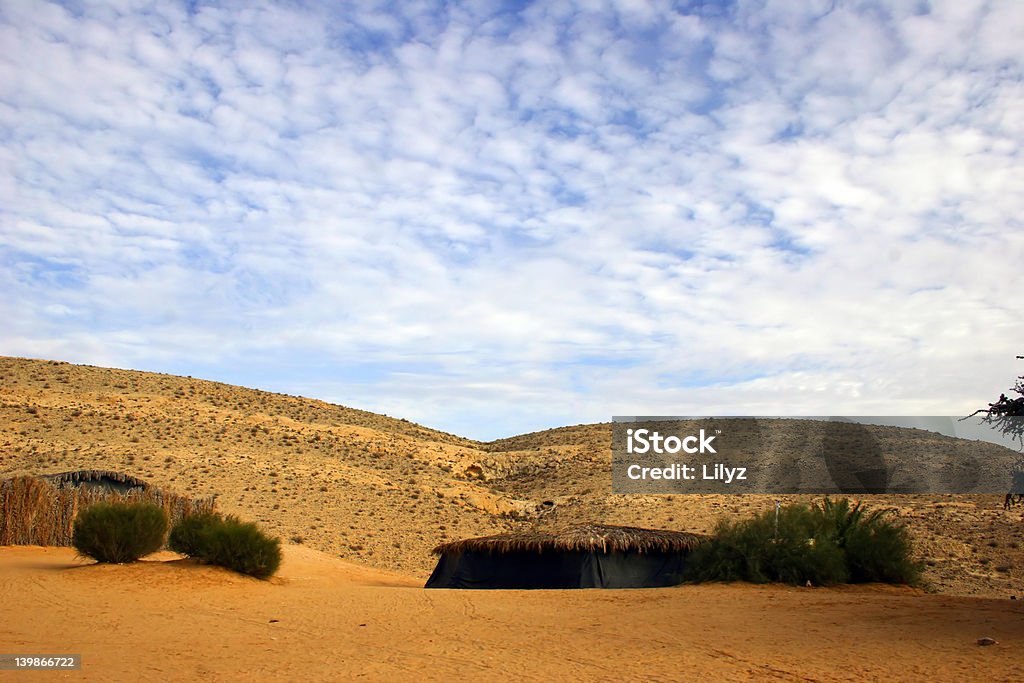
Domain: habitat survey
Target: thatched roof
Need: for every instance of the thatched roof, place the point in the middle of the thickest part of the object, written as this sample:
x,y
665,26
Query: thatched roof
x,y
96,478
588,537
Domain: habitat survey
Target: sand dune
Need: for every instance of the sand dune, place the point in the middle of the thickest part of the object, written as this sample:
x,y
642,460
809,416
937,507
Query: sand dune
x,y
325,619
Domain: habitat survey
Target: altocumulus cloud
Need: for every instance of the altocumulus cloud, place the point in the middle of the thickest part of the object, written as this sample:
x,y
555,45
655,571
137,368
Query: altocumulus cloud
x,y
492,218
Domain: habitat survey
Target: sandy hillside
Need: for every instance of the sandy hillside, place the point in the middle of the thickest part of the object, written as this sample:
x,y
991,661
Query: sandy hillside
x,y
381,492
325,619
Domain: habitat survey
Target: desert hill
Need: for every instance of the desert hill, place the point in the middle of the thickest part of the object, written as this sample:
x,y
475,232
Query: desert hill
x,y
381,491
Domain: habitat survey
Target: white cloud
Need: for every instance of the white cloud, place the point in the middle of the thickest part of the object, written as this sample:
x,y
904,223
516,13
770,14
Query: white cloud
x,y
521,219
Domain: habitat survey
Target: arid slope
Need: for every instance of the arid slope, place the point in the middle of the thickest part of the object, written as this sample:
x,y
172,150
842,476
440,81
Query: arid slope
x,y
382,491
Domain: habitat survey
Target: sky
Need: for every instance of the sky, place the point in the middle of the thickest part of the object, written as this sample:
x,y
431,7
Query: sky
x,y
493,218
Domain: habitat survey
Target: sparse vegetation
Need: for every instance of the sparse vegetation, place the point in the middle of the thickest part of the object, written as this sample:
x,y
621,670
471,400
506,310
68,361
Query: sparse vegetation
x,y
364,500
119,532
826,544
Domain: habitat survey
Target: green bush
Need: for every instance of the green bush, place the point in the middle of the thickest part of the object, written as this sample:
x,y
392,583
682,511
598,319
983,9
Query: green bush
x,y
241,546
119,532
757,550
227,542
877,549
186,536
827,544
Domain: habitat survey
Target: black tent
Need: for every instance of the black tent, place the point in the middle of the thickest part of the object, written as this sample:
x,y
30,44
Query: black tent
x,y
589,556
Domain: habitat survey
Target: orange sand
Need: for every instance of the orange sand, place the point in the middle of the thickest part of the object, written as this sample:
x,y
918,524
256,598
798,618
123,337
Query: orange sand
x,y
169,619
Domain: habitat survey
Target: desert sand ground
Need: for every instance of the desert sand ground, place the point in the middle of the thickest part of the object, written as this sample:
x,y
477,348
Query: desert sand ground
x,y
325,619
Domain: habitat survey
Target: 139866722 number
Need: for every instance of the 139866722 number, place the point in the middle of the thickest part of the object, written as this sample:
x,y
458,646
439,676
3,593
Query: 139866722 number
x,y
33,661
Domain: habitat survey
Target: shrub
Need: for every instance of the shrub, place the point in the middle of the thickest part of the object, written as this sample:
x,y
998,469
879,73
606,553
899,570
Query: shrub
x,y
876,548
186,536
119,532
241,546
757,550
827,544
227,542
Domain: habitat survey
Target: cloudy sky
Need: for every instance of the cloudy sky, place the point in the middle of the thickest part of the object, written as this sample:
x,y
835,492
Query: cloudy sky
x,y
493,217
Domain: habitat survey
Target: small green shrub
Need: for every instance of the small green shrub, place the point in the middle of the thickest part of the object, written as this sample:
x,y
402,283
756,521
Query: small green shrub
x,y
827,544
227,542
241,546
119,532
757,550
186,536
877,548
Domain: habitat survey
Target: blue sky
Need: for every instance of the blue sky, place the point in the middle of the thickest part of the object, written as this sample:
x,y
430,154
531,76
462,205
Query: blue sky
x,y
494,218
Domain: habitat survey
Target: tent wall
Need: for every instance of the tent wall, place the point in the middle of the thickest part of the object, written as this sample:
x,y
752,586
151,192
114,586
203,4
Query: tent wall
x,y
555,569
